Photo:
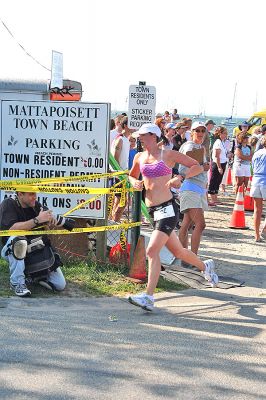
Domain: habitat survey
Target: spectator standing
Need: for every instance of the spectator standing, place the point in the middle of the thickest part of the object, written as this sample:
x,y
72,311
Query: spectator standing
x,y
258,188
180,136
118,128
193,200
188,122
262,134
167,138
227,144
242,159
219,161
167,117
174,116
120,150
206,141
132,150
160,122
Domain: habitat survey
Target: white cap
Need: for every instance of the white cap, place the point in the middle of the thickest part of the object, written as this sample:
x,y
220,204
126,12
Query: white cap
x,y
197,124
148,128
170,125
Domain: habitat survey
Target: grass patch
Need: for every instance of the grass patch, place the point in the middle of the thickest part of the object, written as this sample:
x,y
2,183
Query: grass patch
x,y
89,279
4,279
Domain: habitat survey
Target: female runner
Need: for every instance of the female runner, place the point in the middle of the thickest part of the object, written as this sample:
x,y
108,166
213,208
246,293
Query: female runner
x,y
156,165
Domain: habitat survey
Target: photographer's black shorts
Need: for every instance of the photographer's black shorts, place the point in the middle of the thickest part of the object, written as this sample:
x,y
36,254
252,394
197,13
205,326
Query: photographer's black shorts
x,y
166,225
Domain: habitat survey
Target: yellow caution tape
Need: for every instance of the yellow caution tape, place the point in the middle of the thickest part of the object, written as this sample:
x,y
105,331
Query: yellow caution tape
x,y
63,190
61,179
123,240
123,195
82,204
65,232
110,204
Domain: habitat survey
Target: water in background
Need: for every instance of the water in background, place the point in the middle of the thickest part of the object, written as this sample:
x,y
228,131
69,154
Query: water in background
x,y
217,119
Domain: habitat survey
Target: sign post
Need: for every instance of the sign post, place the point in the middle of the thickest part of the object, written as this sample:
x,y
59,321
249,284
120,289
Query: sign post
x,y
141,104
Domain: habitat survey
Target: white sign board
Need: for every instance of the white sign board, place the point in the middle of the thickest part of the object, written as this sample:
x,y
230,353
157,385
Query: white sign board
x,y
57,70
45,139
141,105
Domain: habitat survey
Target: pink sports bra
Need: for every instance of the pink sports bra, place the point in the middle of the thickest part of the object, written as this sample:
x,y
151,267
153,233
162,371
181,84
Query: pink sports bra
x,y
155,170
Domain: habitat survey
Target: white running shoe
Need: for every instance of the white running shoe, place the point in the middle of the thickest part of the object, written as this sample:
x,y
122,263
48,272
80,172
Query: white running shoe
x,y
209,273
142,300
20,290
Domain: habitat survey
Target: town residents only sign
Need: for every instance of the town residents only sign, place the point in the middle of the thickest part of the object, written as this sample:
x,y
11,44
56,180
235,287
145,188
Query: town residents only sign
x,y
141,105
44,139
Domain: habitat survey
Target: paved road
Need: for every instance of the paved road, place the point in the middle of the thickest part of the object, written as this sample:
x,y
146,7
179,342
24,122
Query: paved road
x,y
206,345
197,345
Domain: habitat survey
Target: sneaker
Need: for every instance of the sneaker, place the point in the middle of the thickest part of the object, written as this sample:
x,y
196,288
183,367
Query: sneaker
x,y
209,273
47,285
21,290
263,234
142,300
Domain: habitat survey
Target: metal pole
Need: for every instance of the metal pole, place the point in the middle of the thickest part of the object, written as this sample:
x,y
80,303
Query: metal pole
x,y
136,215
136,207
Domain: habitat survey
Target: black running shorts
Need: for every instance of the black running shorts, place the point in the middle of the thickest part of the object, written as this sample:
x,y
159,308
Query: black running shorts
x,y
165,224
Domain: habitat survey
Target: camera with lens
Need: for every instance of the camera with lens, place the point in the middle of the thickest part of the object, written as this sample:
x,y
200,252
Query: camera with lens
x,y
66,223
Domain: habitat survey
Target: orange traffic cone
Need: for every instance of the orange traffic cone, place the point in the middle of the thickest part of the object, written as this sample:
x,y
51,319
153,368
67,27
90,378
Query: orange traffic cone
x,y
248,201
238,216
229,177
138,266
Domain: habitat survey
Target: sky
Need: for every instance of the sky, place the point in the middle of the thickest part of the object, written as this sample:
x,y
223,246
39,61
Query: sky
x,y
192,51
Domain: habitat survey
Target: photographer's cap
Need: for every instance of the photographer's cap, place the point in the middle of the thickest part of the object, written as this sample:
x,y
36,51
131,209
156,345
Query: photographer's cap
x,y
148,128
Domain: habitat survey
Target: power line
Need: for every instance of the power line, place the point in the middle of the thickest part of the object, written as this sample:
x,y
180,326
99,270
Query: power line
x,y
28,54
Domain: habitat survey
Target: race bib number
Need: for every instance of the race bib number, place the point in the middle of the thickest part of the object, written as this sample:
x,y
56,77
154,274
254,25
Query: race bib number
x,y
164,212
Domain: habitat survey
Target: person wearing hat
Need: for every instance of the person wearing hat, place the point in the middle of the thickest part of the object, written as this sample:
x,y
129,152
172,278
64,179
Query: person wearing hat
x,y
155,165
167,137
180,136
193,200
244,127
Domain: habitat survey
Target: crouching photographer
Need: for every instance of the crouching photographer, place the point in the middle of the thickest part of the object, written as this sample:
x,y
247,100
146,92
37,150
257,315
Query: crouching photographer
x,y
31,257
